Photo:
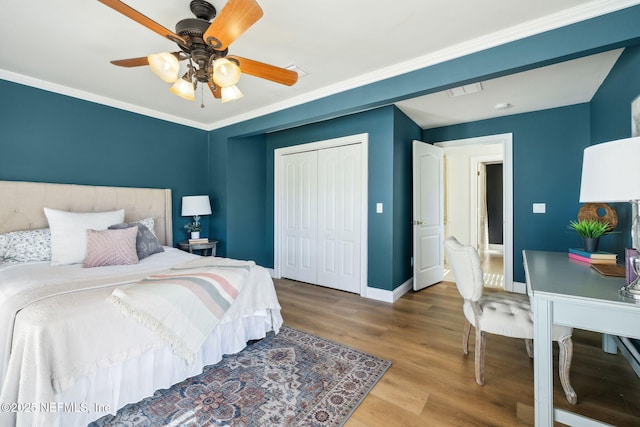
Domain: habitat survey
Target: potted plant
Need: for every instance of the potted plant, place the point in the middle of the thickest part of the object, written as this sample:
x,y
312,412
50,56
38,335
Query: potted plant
x,y
194,228
590,230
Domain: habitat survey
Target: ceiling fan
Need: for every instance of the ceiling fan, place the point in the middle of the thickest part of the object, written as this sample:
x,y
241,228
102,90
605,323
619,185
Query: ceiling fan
x,y
205,45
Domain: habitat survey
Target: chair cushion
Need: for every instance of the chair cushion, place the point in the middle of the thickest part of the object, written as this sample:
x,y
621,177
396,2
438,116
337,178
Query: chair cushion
x,y
509,314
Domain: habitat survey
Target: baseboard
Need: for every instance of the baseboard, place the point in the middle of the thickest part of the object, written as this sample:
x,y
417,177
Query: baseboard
x,y
519,287
389,296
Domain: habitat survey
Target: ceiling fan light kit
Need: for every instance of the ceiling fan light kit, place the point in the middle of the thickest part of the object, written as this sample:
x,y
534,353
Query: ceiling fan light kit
x,y
204,43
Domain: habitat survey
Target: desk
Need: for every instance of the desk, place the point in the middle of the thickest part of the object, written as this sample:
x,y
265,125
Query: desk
x,y
570,293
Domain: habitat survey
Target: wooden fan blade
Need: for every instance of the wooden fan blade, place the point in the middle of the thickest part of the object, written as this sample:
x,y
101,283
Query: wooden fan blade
x,y
266,71
215,90
138,62
233,20
130,12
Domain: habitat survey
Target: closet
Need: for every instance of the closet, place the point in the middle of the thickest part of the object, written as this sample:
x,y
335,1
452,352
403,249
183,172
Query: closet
x,y
321,209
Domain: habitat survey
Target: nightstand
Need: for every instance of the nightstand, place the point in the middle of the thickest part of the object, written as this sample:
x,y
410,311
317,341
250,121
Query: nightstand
x,y
202,247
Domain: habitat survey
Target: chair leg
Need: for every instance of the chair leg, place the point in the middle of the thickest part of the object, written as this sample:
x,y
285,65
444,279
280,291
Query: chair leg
x,y
529,345
465,337
564,366
480,345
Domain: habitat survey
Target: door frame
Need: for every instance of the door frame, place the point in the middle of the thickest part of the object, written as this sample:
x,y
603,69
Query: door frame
x,y
476,161
363,139
507,178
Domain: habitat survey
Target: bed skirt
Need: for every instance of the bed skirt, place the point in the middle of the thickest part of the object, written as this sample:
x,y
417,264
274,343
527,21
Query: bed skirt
x,y
111,388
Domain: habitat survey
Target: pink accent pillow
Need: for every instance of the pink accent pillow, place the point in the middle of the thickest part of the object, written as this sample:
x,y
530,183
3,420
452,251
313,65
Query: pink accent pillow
x,y
111,247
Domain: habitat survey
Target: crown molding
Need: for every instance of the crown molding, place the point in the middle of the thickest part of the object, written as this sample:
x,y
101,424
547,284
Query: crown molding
x,y
98,99
550,22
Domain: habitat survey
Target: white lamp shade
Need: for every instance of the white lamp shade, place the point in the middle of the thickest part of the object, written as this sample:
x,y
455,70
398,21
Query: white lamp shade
x,y
611,172
165,66
229,93
184,89
196,205
225,72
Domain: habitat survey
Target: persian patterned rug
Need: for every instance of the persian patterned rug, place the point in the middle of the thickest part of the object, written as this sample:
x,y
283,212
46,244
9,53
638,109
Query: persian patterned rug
x,y
290,379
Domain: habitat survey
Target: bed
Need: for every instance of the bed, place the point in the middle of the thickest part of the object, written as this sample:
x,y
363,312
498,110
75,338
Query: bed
x,y
70,353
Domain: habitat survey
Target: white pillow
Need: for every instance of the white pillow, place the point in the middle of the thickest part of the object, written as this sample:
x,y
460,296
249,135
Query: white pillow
x,y
69,232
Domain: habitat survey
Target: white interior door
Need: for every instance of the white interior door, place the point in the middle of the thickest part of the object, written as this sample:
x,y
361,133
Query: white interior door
x,y
300,216
339,225
428,215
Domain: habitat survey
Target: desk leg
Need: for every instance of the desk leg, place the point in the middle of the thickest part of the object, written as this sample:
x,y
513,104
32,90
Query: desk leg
x,y
609,344
542,362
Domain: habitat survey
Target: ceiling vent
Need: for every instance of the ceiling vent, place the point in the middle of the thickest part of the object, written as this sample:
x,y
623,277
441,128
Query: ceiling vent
x,y
466,89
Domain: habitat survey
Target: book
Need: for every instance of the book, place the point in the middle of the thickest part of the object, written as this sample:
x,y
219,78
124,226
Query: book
x,y
591,260
594,255
614,270
196,241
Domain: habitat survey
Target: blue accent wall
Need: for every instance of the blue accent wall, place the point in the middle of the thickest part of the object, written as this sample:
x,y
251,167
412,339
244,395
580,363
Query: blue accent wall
x,y
547,163
55,138
611,120
379,125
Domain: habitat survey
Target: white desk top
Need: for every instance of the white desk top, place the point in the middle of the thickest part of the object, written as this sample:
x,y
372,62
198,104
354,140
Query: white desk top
x,y
555,273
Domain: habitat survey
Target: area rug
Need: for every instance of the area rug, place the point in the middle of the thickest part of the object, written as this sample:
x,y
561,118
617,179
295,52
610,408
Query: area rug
x,y
290,379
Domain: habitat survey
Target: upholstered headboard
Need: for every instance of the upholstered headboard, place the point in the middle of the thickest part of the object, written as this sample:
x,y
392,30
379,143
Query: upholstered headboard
x,y
22,203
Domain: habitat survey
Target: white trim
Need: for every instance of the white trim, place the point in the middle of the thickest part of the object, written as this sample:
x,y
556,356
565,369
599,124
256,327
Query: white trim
x,y
363,139
546,23
507,181
389,296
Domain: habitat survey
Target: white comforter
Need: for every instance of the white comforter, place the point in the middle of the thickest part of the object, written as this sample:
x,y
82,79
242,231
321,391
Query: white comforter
x,y
56,325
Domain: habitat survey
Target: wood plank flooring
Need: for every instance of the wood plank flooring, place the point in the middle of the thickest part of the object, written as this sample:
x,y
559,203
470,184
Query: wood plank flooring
x,y
431,382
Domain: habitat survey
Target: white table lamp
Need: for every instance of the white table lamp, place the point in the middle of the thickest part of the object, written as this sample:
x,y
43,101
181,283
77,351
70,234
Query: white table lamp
x,y
611,173
196,206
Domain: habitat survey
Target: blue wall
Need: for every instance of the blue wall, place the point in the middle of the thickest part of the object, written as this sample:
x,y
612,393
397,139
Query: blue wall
x,y
379,125
54,138
547,160
547,163
611,120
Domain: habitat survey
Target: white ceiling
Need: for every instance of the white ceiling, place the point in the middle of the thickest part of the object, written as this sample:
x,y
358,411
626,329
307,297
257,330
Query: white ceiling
x,y
65,46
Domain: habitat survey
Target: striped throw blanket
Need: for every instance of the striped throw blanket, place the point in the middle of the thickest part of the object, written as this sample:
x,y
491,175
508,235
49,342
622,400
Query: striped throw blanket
x,y
182,306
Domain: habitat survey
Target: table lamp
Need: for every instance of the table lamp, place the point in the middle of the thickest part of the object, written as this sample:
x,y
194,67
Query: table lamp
x,y
196,206
611,173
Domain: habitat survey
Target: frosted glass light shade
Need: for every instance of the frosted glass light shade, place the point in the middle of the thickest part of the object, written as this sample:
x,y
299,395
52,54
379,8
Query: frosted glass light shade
x,y
196,205
165,66
225,72
229,93
184,89
611,172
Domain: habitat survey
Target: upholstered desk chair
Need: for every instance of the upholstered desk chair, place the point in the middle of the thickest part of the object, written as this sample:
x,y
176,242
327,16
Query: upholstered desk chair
x,y
500,313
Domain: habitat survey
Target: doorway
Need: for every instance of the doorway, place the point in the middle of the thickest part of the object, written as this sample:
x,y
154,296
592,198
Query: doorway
x,y
465,202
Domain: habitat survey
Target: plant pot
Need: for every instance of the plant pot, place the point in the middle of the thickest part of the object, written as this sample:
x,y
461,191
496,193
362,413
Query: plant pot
x,y
195,234
590,243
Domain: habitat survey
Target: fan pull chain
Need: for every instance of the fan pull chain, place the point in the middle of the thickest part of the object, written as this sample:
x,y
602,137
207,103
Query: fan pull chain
x,y
202,96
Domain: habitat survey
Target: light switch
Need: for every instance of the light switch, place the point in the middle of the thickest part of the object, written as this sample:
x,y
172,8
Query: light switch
x,y
539,208
378,207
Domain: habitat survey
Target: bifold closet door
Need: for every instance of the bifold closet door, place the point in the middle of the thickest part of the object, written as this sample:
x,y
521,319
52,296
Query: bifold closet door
x,y
339,217
300,216
321,205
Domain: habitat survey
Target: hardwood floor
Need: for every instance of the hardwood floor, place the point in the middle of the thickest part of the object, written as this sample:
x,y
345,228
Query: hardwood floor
x,y
431,382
